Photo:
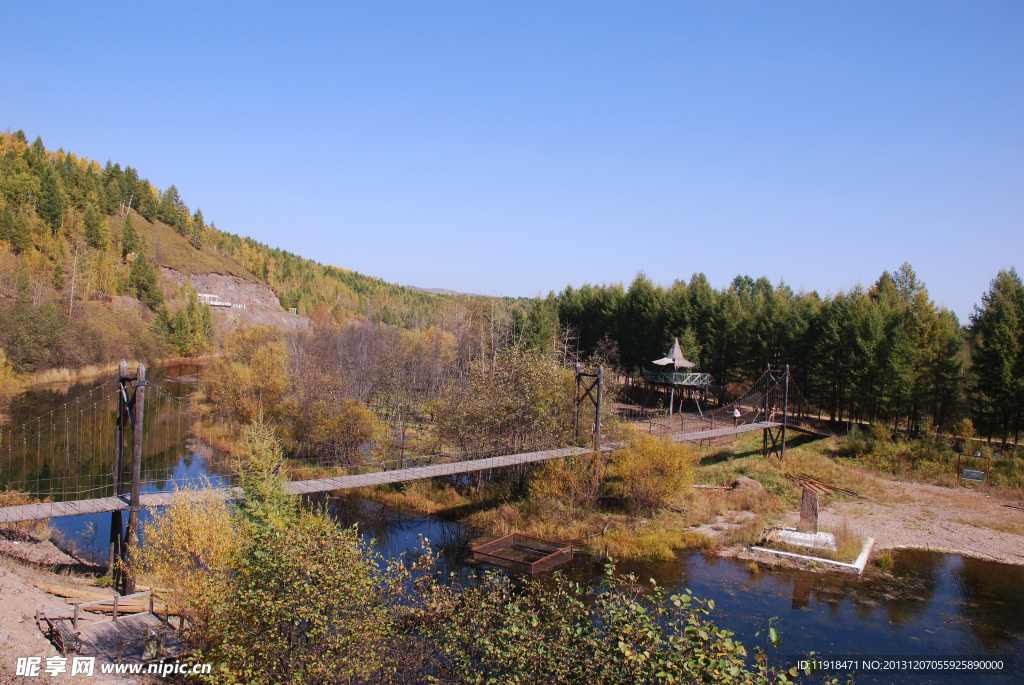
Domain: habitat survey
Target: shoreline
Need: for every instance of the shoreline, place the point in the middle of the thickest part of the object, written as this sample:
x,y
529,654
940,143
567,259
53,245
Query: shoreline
x,y
65,376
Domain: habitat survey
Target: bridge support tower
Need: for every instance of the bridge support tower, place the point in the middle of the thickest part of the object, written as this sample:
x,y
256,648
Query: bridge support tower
x,y
594,391
776,390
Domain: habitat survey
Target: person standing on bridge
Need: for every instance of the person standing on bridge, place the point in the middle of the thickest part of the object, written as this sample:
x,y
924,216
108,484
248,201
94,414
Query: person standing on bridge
x,y
735,416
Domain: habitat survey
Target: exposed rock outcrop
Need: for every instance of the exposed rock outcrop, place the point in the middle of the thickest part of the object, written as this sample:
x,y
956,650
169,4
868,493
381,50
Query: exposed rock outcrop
x,y
261,303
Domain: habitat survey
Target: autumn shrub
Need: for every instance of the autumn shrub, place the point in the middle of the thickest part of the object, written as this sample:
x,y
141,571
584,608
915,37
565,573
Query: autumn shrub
x,y
621,632
338,432
565,486
303,606
187,550
963,430
930,457
653,471
1008,471
251,380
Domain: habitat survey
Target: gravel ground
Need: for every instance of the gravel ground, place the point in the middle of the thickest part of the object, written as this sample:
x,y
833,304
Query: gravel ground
x,y
958,520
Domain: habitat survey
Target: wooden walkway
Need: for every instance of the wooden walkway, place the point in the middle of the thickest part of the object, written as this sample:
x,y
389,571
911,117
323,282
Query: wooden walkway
x,y
33,512
77,628
100,639
695,436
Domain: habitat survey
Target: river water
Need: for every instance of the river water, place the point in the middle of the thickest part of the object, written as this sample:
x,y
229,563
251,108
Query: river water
x,y
929,605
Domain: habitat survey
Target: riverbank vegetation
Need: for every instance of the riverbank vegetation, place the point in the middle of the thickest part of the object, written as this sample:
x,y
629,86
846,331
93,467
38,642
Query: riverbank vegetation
x,y
277,592
352,398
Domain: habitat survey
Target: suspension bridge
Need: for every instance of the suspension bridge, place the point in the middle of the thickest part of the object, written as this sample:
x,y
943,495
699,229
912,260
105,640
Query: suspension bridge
x,y
73,457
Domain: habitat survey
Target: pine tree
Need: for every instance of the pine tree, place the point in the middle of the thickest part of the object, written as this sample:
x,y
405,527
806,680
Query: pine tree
x,y
96,230
198,228
21,233
143,281
129,238
997,328
6,223
53,201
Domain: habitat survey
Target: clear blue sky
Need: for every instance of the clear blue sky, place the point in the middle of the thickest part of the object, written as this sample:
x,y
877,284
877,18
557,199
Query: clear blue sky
x,y
512,148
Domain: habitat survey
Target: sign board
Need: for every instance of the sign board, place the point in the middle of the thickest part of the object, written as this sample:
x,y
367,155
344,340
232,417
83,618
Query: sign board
x,y
972,475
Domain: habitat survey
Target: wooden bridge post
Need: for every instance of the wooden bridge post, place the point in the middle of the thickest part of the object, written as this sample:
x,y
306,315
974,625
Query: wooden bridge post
x,y
764,435
785,412
597,433
132,535
116,525
576,415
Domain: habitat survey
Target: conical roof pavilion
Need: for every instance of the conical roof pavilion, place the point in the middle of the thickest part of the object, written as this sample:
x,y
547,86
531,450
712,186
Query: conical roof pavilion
x,y
675,357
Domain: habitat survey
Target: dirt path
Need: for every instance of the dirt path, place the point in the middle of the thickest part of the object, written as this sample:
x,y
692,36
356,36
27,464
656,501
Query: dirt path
x,y
932,517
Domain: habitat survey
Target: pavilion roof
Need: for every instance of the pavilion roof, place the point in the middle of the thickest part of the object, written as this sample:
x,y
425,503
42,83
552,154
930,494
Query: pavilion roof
x,y
675,357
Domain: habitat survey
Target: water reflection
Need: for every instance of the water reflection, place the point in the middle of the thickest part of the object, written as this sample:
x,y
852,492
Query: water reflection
x,y
932,604
393,532
60,439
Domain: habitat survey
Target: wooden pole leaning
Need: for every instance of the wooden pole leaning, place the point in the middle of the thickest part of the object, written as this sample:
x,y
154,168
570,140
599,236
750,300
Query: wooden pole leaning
x,y
597,433
764,434
132,535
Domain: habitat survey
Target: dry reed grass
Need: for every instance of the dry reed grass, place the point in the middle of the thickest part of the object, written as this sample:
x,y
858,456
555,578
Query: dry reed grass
x,y
66,376
653,471
424,496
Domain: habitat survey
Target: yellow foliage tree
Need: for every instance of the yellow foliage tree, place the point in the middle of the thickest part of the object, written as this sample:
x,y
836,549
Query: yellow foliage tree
x,y
187,552
654,471
338,431
252,378
10,383
565,485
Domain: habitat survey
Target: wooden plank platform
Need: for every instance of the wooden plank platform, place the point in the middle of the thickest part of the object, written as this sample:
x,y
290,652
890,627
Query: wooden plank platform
x,y
32,512
100,639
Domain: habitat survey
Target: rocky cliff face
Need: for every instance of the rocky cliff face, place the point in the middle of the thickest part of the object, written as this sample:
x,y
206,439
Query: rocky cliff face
x,y
228,288
262,305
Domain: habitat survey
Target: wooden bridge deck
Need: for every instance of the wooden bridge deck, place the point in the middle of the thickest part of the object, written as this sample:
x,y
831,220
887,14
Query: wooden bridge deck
x,y
694,436
33,512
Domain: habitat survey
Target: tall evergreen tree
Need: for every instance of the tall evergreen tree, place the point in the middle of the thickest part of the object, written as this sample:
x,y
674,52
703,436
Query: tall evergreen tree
x,y
143,282
997,329
130,241
96,230
53,201
21,233
642,334
198,229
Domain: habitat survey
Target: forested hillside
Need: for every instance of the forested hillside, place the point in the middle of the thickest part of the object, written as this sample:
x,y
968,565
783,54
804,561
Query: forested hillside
x,y
55,202
79,242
